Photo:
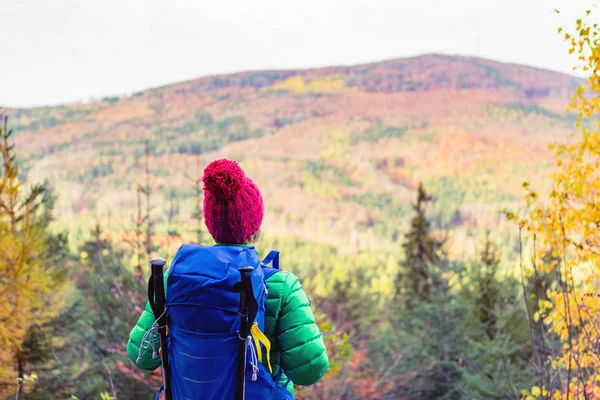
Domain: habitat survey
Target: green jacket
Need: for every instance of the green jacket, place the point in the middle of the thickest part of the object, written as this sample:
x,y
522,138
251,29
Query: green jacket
x,y
297,344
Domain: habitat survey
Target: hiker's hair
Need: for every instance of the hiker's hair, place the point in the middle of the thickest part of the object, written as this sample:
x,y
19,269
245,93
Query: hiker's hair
x,y
254,238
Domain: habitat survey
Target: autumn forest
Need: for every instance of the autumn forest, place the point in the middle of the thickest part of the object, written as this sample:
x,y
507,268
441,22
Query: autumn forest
x,y
440,211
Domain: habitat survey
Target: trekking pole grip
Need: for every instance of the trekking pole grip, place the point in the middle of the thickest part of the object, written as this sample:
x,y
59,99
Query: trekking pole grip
x,y
245,286
244,270
156,293
157,264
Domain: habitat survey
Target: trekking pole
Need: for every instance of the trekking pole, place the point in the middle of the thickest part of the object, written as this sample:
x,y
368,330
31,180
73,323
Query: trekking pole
x,y
156,294
244,330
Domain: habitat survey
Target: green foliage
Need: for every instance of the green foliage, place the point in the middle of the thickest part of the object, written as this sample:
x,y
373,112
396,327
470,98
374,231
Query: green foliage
x,y
255,80
111,99
32,281
525,109
382,201
46,117
107,284
499,360
349,298
457,330
380,132
81,353
487,287
389,214
203,134
55,355
439,348
340,352
98,170
421,251
451,192
419,342
428,137
468,190
321,170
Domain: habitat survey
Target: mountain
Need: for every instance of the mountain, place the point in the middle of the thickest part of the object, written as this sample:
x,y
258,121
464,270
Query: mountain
x,y
337,152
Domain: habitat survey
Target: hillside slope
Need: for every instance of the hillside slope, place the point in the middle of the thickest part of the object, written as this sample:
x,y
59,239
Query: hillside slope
x,y
337,151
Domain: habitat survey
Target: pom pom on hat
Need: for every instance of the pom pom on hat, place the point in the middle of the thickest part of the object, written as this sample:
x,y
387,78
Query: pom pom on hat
x,y
224,179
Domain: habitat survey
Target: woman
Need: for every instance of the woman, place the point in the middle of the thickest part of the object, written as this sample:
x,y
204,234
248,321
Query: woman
x,y
233,213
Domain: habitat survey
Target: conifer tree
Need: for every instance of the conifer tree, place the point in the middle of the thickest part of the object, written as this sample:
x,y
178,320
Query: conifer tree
x,y
421,251
31,280
488,287
111,295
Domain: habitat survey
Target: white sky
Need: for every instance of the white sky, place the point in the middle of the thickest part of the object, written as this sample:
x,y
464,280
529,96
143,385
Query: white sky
x,y
57,51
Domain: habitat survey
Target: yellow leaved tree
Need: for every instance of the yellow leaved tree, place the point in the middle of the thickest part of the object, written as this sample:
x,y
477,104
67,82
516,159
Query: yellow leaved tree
x,y
29,284
565,228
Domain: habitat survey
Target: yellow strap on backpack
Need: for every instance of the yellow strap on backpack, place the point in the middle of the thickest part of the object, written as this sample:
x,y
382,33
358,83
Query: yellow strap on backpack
x,y
259,338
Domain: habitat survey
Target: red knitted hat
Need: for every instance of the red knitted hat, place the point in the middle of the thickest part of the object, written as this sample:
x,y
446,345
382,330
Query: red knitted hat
x,y
233,205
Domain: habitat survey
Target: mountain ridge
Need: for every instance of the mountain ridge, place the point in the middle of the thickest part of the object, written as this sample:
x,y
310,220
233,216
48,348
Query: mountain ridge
x,y
304,71
343,67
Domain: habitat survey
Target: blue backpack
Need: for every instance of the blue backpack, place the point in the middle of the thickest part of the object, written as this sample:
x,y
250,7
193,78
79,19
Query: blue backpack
x,y
204,288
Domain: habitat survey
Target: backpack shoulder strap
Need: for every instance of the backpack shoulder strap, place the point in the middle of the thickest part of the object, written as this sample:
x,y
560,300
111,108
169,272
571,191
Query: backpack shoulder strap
x,y
272,257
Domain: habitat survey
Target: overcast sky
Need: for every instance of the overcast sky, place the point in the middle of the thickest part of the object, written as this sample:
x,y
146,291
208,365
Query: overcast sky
x,y
70,50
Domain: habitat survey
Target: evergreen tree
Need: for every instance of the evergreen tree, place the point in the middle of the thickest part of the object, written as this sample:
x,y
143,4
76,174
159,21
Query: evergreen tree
x,y
497,360
81,352
421,252
55,357
111,295
31,279
424,326
488,287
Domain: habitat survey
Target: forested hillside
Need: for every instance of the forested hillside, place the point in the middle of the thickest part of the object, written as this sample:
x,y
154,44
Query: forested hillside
x,y
338,151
